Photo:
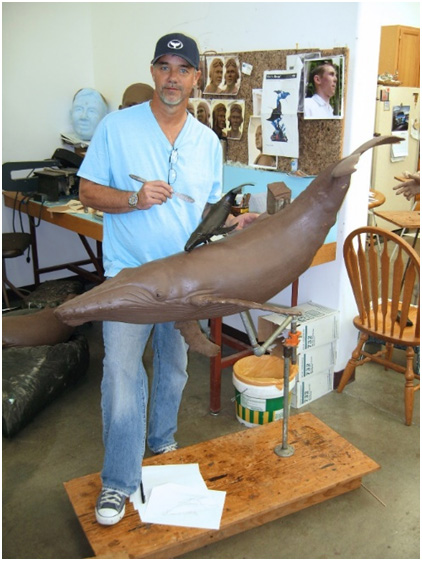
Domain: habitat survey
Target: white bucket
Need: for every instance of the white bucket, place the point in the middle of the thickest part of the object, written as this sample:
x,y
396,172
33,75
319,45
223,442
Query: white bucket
x,y
259,389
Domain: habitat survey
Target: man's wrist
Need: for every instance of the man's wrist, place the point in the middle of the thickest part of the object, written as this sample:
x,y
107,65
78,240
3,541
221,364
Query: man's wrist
x,y
133,200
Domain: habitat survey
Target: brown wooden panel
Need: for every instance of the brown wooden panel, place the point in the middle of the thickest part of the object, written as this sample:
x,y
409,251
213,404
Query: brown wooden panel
x,y
260,486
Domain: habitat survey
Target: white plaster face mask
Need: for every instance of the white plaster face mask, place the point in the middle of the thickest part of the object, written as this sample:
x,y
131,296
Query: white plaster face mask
x,y
87,111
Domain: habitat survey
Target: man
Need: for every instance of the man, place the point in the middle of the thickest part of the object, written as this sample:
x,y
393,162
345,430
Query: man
x,y
161,141
324,79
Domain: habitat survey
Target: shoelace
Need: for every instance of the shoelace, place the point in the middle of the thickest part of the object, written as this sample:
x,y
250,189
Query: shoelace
x,y
110,497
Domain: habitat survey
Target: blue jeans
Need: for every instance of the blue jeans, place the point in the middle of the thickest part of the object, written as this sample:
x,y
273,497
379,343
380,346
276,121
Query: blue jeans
x,y
125,398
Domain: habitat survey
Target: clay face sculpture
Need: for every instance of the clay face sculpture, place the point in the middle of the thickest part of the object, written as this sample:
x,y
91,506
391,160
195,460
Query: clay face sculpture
x,y
217,280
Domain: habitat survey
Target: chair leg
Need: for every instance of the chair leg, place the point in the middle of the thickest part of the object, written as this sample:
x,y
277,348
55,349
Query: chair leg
x,y
409,391
7,282
5,296
389,347
351,365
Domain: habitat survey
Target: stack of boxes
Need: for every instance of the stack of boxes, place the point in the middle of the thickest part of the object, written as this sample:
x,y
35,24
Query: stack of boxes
x,y
317,350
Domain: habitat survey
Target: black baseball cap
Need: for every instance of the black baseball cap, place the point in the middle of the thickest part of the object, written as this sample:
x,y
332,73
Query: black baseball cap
x,y
179,45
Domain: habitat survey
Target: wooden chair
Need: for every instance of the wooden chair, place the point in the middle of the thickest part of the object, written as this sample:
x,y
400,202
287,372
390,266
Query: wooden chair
x,y
14,244
386,289
376,199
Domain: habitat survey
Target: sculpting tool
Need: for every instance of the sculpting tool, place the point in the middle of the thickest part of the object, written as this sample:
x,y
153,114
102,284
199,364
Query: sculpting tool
x,y
181,196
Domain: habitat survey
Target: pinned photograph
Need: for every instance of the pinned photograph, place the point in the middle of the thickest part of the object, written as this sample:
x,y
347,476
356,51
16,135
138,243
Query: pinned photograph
x,y
198,89
215,70
236,113
201,110
222,75
324,88
219,118
231,81
280,136
400,127
256,157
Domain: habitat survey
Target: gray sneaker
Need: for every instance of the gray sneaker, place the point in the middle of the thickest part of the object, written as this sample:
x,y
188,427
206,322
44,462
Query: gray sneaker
x,y
169,448
110,507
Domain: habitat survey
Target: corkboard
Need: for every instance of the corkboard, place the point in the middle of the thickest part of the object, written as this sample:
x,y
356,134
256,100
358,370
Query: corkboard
x,y
320,141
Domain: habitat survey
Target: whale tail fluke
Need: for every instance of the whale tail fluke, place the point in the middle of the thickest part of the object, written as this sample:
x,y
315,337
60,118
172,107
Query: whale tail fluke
x,y
347,165
377,141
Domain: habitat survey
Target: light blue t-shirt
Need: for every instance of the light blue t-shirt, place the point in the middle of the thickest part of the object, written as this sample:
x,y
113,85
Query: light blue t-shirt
x,y
131,141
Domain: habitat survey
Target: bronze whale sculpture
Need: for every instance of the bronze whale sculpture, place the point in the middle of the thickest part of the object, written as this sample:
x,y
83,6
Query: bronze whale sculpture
x,y
239,272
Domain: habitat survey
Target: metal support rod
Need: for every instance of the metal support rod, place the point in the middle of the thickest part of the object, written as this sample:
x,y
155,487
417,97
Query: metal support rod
x,y
285,450
260,350
290,356
276,333
293,330
249,327
287,356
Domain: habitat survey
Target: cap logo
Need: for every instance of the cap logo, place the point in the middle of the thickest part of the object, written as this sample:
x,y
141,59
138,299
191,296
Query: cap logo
x,y
175,44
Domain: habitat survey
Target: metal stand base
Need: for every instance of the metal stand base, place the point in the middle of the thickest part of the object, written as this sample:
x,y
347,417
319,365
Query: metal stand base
x,y
284,452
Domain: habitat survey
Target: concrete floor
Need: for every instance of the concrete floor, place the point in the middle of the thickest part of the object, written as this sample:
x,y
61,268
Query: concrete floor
x,y
378,521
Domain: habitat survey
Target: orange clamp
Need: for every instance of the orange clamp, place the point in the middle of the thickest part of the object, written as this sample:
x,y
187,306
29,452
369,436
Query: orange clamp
x,y
293,339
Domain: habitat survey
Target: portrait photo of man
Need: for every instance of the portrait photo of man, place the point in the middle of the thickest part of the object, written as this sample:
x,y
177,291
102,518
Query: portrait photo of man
x,y
215,66
235,119
324,88
219,118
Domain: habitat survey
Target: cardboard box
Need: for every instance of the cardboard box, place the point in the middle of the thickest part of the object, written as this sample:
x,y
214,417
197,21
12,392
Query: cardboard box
x,y
316,360
312,387
318,324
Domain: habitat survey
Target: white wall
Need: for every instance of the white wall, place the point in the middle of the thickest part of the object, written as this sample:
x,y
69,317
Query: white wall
x,y
47,57
50,50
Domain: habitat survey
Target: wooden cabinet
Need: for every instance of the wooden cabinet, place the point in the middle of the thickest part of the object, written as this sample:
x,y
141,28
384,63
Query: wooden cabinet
x,y
400,52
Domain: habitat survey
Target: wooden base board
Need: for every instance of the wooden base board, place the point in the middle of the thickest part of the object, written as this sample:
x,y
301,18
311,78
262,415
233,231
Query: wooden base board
x,y
260,486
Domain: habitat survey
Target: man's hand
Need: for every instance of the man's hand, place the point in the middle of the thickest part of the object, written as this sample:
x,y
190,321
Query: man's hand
x,y
153,193
409,188
242,220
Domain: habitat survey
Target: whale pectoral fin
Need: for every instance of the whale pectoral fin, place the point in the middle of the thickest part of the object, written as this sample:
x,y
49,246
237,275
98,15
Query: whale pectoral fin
x,y
205,300
196,338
